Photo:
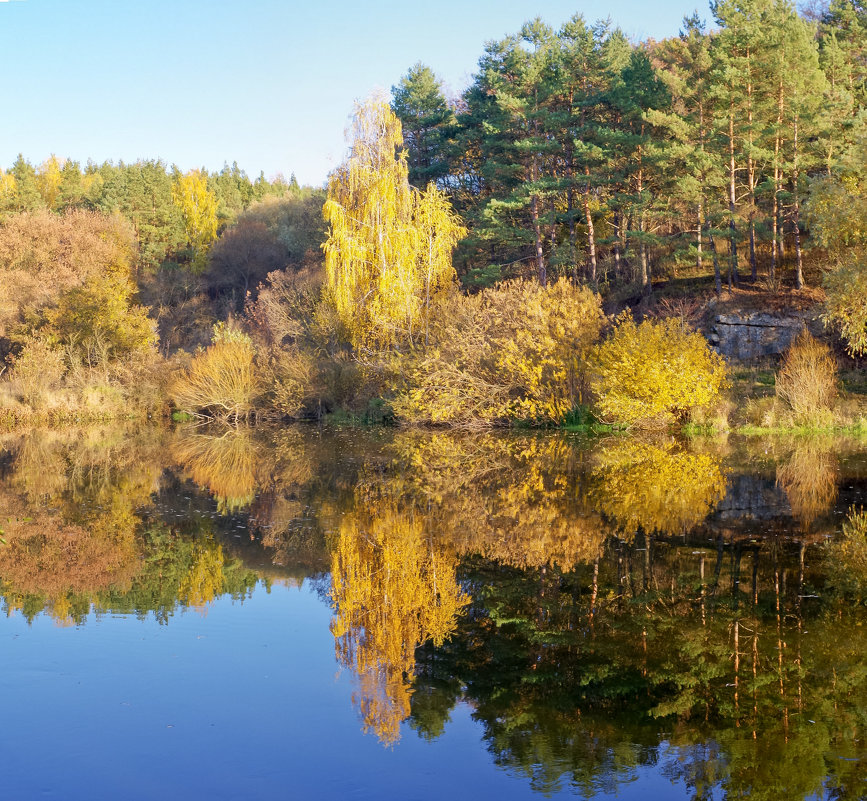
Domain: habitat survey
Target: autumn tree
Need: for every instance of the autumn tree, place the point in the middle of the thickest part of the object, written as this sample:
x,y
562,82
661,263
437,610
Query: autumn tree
x,y
654,372
198,206
837,211
388,252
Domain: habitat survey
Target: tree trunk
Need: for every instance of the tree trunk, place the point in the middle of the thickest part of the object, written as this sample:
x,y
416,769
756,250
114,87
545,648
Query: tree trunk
x,y
591,235
799,266
570,213
717,277
733,245
537,231
751,172
617,219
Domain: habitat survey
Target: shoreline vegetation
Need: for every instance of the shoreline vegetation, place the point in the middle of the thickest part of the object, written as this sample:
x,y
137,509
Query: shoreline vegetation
x,y
546,250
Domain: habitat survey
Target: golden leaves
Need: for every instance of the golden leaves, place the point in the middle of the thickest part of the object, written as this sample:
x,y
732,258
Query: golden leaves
x,y
513,352
659,487
654,372
388,253
393,588
198,207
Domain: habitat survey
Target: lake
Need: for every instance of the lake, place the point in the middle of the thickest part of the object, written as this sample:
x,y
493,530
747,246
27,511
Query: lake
x,y
375,613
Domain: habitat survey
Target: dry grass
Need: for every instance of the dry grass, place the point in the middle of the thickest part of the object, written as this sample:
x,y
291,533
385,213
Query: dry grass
x,y
807,383
221,380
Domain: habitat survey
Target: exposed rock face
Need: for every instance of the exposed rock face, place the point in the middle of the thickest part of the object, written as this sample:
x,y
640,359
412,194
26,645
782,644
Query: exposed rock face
x,y
756,334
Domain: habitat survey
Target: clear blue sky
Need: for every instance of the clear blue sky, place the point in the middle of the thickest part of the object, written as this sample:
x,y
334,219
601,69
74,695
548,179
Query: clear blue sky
x,y
267,83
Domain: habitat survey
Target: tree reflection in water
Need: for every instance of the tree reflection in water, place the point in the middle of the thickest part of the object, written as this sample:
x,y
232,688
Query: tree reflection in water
x,y
809,474
595,604
222,463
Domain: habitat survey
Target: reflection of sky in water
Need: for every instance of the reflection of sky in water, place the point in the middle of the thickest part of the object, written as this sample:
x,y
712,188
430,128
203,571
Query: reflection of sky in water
x,y
244,702
231,699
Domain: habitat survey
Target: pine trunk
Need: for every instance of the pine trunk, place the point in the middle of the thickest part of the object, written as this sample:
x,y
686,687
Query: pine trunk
x,y
733,244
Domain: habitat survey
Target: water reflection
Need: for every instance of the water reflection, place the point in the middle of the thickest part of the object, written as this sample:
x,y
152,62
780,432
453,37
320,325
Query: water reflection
x,y
223,463
658,487
601,607
809,473
393,588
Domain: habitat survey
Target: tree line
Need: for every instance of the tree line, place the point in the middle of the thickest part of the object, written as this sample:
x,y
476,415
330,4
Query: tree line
x,y
576,151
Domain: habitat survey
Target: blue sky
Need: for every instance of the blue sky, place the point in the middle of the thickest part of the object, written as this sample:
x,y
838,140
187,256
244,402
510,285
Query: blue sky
x,y
267,83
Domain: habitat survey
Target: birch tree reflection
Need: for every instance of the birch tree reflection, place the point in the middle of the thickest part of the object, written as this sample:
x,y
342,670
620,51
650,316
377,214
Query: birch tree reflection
x,y
393,588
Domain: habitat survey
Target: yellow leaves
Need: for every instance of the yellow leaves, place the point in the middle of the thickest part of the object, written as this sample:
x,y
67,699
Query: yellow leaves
x,y
654,372
7,185
508,499
388,252
393,589
512,352
204,580
198,207
846,300
100,319
48,180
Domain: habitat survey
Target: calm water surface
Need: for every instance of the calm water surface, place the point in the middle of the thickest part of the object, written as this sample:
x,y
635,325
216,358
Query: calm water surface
x,y
310,613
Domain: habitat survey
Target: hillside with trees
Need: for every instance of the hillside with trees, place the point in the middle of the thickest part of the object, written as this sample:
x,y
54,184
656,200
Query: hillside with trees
x,y
479,259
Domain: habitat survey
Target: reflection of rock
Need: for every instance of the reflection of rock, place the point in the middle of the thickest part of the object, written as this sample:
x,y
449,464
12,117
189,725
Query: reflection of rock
x,y
751,336
750,497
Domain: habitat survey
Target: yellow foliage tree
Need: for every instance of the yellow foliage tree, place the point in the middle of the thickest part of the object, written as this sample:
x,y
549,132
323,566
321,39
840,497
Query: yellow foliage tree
x,y
654,372
388,253
513,500
7,186
48,179
513,352
198,207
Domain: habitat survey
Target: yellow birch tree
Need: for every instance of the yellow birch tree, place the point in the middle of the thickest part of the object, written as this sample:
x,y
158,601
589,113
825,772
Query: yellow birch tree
x,y
198,207
389,249
48,178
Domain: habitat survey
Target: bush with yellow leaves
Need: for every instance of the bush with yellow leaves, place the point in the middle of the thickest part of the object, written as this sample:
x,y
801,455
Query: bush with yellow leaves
x,y
514,352
221,380
807,382
654,373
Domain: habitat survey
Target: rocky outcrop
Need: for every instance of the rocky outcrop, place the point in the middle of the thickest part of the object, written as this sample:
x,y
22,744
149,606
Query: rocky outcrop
x,y
748,336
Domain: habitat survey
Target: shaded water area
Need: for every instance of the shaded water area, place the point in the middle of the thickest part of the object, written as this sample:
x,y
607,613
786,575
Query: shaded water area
x,y
315,613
